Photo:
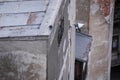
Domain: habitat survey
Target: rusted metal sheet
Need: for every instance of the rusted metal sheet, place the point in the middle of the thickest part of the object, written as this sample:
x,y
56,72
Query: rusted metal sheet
x,y
21,13
7,0
83,44
19,31
21,19
23,6
16,0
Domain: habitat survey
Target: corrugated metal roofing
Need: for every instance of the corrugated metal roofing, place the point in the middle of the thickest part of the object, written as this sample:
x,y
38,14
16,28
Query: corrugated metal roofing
x,y
27,17
23,6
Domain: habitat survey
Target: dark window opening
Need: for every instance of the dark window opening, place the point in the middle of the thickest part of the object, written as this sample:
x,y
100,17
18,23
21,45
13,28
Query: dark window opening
x,y
116,35
78,70
115,69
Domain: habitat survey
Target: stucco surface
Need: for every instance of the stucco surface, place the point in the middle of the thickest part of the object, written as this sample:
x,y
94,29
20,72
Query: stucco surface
x,y
99,29
23,60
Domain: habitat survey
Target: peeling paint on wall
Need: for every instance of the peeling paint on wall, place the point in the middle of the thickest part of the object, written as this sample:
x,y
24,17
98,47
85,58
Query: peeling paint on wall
x,y
105,7
99,29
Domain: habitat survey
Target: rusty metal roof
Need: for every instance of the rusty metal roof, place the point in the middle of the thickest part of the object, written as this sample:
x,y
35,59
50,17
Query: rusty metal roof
x,y
27,17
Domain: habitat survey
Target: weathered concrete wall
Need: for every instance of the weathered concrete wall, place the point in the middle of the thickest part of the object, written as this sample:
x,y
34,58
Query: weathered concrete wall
x,y
82,14
72,17
100,30
60,56
23,60
63,57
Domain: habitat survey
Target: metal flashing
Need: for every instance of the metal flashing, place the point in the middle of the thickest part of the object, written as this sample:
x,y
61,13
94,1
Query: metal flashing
x,y
83,44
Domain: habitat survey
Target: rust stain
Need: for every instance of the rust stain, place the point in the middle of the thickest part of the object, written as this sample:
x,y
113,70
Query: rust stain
x,y
32,18
105,7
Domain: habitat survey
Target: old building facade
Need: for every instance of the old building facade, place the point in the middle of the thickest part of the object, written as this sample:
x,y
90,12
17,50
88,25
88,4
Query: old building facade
x,y
37,38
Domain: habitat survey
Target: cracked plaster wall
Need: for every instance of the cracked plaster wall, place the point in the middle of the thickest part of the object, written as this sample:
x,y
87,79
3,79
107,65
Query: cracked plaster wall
x,y
23,60
101,30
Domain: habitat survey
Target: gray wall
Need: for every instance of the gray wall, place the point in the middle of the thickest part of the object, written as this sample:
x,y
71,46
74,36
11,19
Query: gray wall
x,y
82,14
101,31
58,56
23,60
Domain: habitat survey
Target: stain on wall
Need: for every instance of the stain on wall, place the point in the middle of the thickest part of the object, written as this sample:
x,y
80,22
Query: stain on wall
x,y
23,60
104,7
21,65
82,14
59,52
99,29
